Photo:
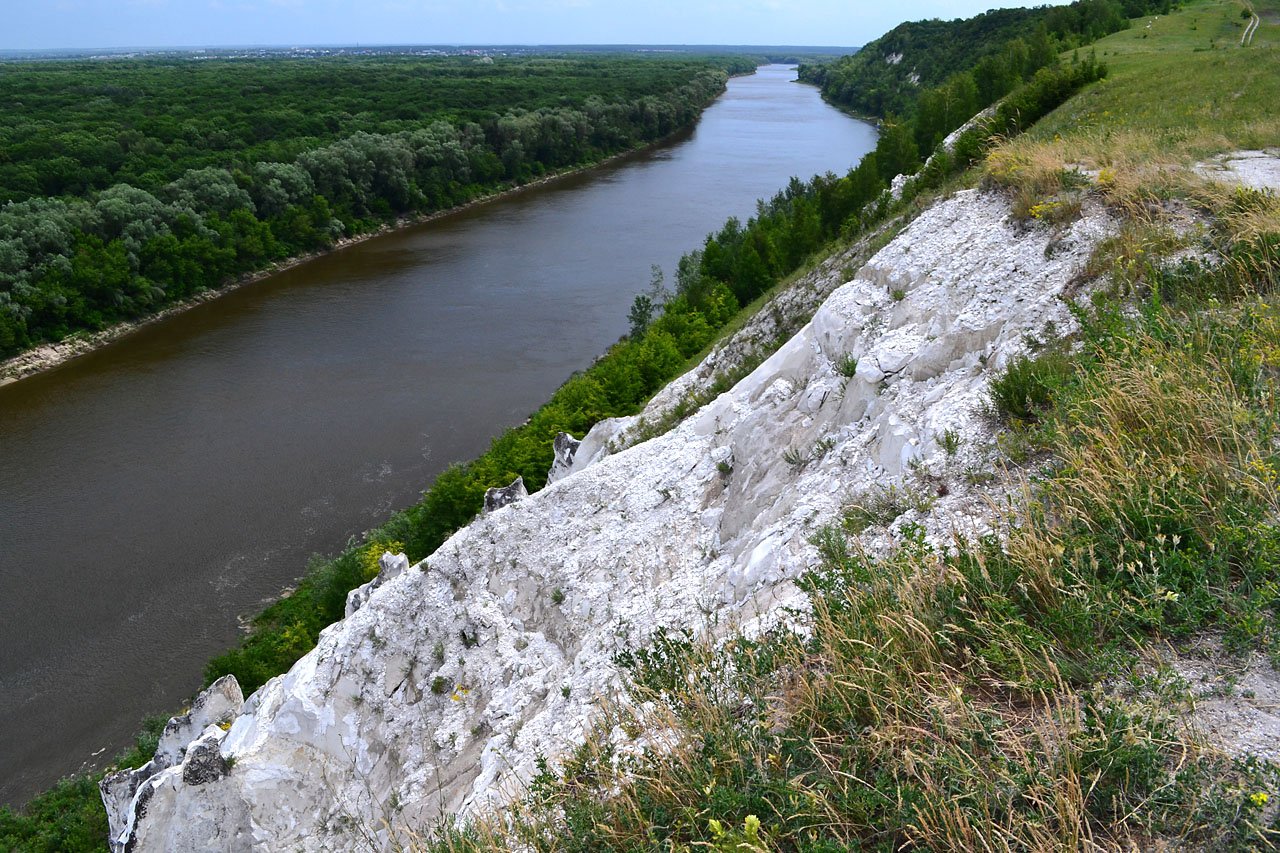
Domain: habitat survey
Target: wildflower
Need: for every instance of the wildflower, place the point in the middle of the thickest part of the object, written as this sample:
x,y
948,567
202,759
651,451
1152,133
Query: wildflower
x,y
1259,799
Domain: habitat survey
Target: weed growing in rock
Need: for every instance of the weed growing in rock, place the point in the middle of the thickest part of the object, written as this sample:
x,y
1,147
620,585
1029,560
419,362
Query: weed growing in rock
x,y
795,458
847,366
950,442
1026,388
978,476
882,506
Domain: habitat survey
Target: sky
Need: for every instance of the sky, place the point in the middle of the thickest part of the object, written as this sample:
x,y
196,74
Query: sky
x,y
40,24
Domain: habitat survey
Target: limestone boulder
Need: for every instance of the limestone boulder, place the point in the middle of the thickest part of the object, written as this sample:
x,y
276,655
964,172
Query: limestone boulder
x,y
496,498
390,566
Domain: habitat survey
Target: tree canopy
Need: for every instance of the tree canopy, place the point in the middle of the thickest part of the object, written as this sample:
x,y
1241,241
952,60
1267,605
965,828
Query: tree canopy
x,y
127,185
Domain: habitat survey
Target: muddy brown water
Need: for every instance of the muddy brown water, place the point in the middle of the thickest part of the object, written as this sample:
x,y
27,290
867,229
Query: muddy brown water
x,y
156,490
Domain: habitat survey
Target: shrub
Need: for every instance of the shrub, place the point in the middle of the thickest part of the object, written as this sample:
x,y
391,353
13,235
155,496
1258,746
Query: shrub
x,y
1026,389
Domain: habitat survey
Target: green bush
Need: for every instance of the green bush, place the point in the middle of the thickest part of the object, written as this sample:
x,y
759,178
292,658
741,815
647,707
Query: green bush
x,y
1026,389
69,816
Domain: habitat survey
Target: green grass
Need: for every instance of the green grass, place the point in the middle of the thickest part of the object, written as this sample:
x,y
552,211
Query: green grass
x,y
1168,82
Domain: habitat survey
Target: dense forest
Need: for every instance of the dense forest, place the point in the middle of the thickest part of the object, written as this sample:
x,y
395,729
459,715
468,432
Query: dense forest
x,y
935,74
128,185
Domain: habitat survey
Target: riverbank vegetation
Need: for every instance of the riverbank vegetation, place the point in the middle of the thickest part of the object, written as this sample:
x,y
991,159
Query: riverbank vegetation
x,y
128,185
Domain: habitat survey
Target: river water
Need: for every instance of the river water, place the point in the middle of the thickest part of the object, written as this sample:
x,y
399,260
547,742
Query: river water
x,y
154,491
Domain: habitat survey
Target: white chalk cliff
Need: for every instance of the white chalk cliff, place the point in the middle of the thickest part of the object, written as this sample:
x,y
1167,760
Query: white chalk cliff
x,y
447,681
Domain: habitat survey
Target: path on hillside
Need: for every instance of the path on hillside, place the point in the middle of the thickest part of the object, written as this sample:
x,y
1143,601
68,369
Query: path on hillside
x,y
1246,38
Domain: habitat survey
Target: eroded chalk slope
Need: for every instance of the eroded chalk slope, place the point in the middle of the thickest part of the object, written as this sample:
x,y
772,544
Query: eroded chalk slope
x,y
438,695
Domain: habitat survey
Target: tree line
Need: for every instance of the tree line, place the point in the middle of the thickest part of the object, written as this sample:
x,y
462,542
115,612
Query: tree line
x,y
94,256
932,76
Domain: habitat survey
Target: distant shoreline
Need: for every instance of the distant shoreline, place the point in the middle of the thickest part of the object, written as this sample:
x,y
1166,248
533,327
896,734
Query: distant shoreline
x,y
47,356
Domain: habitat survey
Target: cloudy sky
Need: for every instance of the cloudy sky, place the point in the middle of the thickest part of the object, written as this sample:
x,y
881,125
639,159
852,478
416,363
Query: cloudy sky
x,y
32,24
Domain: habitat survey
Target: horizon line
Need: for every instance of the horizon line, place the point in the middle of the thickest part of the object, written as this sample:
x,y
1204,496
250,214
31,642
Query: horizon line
x,y
371,45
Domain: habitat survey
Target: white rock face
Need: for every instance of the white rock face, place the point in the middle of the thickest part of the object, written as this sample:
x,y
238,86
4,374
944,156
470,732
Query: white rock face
x,y
1259,170
500,496
125,793
564,449
390,566
438,695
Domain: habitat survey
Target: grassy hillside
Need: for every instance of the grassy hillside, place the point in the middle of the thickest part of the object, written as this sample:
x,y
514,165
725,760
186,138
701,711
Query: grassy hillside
x,y
1183,81
1021,694
993,50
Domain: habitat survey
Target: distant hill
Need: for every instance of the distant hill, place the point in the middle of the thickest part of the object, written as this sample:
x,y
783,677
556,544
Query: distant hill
x,y
887,76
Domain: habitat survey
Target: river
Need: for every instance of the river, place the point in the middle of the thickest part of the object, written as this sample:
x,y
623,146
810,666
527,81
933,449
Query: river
x,y
156,490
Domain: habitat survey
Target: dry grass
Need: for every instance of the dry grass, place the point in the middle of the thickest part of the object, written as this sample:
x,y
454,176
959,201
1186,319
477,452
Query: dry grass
x,y
1134,171
1166,206
958,701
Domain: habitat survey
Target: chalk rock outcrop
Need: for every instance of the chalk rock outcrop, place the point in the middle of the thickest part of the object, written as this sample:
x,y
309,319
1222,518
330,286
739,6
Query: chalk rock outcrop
x,y
125,793
1259,170
390,566
496,498
563,449
439,694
